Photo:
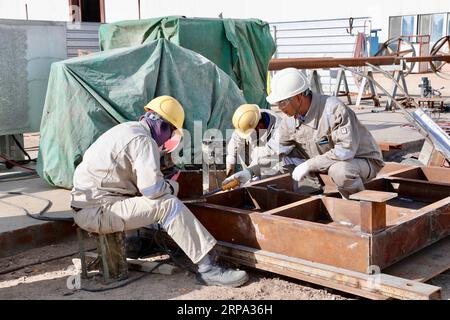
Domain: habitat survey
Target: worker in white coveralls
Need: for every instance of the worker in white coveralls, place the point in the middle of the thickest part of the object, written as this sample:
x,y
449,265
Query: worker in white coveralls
x,y
325,132
119,186
254,129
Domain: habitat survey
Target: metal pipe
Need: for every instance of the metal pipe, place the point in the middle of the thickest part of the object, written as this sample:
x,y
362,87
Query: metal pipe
x,y
319,63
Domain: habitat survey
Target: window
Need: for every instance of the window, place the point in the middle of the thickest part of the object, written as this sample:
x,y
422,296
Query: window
x,y
437,27
408,24
433,24
448,27
395,27
425,24
402,26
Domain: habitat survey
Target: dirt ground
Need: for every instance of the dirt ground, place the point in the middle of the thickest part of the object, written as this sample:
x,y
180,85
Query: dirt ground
x,y
49,281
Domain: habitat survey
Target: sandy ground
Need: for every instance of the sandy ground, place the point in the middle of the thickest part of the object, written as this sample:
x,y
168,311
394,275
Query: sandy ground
x,y
49,281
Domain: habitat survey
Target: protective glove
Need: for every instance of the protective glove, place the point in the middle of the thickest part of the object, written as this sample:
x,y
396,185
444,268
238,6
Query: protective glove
x,y
301,171
243,176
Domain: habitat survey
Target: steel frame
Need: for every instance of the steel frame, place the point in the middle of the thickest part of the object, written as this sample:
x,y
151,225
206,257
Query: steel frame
x,y
373,232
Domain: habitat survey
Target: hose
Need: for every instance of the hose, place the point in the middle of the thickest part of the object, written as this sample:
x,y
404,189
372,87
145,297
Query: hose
x,y
123,283
22,149
39,215
5,271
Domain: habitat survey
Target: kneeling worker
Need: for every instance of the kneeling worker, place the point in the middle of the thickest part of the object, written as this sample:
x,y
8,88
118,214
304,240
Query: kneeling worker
x,y
254,129
119,186
326,132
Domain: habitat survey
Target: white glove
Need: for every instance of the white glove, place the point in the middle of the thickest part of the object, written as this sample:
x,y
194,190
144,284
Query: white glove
x,y
243,176
301,171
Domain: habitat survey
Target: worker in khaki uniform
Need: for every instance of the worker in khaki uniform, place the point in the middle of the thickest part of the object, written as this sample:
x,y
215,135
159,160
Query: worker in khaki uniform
x,y
325,132
119,186
252,136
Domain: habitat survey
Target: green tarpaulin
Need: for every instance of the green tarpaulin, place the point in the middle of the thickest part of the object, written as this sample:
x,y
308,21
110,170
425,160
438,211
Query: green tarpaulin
x,y
241,48
88,95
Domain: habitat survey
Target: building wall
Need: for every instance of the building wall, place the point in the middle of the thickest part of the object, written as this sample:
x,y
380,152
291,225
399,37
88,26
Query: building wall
x,y
290,10
48,10
116,10
268,10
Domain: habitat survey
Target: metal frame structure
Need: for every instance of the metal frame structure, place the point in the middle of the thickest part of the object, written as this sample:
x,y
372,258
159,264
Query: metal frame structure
x,y
400,213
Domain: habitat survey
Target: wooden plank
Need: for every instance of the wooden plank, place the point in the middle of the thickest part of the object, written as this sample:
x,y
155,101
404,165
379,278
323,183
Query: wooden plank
x,y
373,196
425,264
380,284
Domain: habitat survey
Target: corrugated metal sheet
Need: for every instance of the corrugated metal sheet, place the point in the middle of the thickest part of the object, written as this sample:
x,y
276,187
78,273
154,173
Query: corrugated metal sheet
x,y
82,38
320,38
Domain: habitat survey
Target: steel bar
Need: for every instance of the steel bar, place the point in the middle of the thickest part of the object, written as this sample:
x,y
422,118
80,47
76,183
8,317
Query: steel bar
x,y
330,62
341,279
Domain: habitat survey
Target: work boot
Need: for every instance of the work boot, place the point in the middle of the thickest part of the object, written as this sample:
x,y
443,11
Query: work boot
x,y
220,276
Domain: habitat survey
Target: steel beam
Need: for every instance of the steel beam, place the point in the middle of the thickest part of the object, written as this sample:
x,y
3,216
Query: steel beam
x,y
330,62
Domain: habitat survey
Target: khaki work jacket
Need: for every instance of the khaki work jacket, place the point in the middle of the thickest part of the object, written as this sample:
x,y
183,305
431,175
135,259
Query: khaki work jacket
x,y
329,132
123,162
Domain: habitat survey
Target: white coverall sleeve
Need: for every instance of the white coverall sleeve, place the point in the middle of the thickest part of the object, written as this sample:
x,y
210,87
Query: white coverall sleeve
x,y
234,147
344,135
279,145
144,156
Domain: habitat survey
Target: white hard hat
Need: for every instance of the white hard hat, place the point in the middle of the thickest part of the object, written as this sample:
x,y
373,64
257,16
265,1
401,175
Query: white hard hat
x,y
287,83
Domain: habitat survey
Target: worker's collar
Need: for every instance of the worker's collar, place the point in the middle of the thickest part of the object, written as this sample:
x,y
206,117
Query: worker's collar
x,y
311,118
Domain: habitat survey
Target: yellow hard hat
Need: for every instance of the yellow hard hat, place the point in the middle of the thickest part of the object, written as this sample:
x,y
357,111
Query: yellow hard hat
x,y
169,109
245,119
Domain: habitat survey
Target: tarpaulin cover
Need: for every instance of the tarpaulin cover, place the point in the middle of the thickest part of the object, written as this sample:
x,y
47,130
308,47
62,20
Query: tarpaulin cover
x,y
241,48
88,95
